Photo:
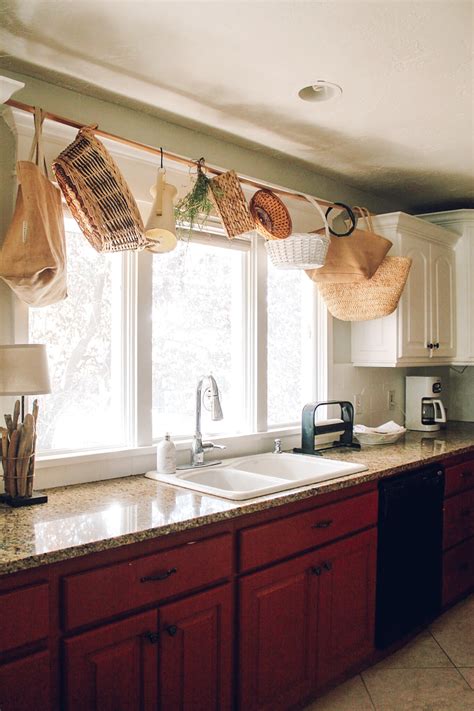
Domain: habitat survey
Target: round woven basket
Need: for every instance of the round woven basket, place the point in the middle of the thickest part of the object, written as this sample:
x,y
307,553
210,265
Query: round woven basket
x,y
271,217
300,251
370,299
98,196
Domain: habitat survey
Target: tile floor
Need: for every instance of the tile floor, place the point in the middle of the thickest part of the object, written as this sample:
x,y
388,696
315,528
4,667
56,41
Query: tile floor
x,y
434,672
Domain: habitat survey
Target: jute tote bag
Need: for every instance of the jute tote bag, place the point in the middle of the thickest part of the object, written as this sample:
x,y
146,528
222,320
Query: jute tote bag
x,y
352,259
33,254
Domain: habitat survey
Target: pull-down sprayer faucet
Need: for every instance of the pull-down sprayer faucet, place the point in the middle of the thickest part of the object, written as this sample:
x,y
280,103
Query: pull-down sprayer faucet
x,y
212,392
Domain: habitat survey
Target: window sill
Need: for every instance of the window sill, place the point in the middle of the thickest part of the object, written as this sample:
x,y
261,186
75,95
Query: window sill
x,y
69,468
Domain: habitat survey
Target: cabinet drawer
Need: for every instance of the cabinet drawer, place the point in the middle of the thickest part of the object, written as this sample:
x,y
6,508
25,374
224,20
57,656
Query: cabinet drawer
x,y
24,616
458,571
108,591
459,477
458,518
272,541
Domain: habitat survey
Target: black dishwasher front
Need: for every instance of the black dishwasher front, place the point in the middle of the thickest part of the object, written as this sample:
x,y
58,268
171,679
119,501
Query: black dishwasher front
x,y
409,554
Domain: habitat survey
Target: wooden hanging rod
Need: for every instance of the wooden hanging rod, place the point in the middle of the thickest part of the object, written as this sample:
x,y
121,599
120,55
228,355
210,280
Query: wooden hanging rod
x,y
156,151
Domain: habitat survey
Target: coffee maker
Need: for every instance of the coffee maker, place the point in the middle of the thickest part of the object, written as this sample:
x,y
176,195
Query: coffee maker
x,y
424,408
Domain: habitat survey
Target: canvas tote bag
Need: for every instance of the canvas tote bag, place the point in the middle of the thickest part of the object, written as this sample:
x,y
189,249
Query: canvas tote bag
x,y
33,254
352,259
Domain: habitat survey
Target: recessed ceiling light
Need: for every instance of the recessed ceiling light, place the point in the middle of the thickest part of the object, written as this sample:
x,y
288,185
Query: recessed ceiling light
x,y
320,91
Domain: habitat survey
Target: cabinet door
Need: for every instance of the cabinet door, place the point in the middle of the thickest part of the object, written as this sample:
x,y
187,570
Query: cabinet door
x,y
195,651
278,630
25,684
415,321
115,667
346,604
443,311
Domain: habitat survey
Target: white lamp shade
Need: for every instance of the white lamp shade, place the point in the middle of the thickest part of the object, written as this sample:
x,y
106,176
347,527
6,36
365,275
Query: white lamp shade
x,y
8,87
24,370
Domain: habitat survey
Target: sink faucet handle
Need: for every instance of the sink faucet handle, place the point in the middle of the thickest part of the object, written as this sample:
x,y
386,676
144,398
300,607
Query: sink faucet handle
x,y
277,446
211,445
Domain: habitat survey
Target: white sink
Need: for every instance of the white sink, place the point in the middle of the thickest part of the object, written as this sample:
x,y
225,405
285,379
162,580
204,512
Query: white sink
x,y
258,475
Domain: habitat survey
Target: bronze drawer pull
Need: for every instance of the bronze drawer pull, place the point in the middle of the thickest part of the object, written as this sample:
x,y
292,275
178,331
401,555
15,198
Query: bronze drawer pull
x,y
152,637
158,576
316,570
327,565
172,630
322,524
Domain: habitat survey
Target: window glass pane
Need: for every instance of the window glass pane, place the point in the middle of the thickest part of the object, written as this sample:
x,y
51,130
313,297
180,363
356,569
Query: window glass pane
x,y
83,336
197,329
284,345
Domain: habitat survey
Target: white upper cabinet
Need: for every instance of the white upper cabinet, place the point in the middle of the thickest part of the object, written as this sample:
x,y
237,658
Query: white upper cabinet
x,y
461,222
422,331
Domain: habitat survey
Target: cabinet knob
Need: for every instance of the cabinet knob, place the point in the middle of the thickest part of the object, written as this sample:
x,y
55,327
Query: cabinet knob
x,y
152,637
158,576
322,524
316,570
172,630
430,346
436,345
327,565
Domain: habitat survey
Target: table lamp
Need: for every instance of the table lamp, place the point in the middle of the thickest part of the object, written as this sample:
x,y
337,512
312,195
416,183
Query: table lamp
x,y
23,372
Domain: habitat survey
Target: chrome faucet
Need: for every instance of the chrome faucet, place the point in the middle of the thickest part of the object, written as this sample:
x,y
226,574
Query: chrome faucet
x,y
198,447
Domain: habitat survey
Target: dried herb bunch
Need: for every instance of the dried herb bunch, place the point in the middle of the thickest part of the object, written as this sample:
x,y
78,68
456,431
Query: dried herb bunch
x,y
195,207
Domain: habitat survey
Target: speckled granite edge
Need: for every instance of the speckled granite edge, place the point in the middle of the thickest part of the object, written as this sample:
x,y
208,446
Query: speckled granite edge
x,y
16,545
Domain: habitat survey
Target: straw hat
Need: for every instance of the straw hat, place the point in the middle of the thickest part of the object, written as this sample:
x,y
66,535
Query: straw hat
x,y
370,299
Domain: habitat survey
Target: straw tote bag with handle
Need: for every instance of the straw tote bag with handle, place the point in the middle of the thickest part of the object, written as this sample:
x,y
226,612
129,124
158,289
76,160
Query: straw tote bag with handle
x,y
352,259
370,299
33,254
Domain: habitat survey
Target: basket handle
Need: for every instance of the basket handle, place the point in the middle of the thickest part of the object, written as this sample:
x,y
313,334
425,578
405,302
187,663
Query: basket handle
x,y
318,207
365,215
37,150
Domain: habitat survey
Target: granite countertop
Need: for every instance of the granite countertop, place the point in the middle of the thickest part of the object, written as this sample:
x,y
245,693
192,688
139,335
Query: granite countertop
x,y
87,518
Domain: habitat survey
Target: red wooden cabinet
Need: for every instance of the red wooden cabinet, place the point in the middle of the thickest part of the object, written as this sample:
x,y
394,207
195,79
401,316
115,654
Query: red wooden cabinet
x,y
177,658
114,667
195,652
305,622
278,627
25,683
346,604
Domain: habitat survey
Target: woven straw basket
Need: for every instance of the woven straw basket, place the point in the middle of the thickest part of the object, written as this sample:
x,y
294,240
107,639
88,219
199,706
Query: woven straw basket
x,y
271,218
370,299
98,196
231,204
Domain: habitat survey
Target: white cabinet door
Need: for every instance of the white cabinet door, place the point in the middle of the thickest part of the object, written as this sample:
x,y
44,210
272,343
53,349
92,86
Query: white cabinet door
x,y
443,307
415,321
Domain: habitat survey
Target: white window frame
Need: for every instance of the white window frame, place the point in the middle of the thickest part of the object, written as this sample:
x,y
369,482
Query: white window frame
x,y
138,455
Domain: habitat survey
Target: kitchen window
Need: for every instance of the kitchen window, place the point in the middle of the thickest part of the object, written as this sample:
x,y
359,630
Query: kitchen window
x,y
203,303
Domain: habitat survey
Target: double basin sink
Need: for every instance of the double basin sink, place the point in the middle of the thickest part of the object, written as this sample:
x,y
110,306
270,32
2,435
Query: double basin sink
x,y
259,475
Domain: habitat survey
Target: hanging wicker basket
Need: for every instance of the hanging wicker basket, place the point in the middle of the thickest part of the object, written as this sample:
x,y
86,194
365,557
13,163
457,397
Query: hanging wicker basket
x,y
302,248
299,251
231,204
271,218
98,196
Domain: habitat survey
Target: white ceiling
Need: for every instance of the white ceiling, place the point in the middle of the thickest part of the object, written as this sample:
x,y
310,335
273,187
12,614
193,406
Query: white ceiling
x,y
403,127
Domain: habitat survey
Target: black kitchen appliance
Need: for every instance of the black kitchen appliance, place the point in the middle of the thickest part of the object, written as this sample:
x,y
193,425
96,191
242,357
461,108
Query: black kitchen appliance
x,y
409,552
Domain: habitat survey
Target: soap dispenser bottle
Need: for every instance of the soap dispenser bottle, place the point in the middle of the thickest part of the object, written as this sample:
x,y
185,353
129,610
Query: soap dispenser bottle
x,y
166,456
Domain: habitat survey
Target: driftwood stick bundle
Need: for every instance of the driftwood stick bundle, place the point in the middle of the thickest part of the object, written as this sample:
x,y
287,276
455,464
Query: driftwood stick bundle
x,y
18,446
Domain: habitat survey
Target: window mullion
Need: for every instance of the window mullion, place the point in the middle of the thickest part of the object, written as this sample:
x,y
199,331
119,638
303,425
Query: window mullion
x,y
257,337
142,309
